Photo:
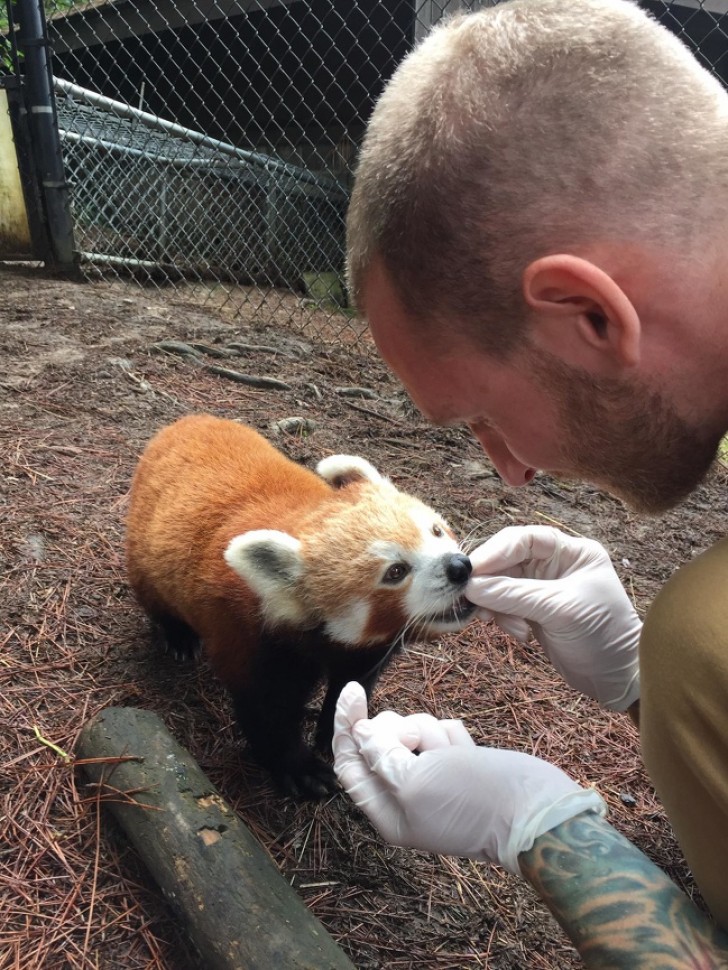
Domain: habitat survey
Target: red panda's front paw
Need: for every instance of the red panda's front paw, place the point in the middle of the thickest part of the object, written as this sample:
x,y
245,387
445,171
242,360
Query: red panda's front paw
x,y
178,638
307,777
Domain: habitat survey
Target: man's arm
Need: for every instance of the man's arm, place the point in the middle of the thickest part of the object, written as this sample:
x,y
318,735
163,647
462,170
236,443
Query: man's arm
x,y
455,798
618,908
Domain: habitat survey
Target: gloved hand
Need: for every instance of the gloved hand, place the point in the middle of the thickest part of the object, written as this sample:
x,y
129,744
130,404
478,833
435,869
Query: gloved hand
x,y
566,589
453,797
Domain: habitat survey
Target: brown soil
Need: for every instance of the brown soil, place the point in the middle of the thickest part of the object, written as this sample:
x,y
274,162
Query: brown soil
x,y
81,391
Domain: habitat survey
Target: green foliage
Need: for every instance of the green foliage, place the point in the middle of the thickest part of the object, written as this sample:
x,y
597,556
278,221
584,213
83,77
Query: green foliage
x,y
56,6
325,289
723,451
6,60
51,7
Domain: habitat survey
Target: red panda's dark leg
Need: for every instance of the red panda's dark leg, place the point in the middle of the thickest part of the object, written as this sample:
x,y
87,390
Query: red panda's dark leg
x,y
364,666
270,711
177,636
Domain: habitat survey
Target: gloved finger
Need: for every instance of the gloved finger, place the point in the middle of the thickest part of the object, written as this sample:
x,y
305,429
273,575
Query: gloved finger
x,y
526,599
485,615
350,708
409,729
351,705
514,626
458,734
511,551
357,778
429,732
351,768
383,753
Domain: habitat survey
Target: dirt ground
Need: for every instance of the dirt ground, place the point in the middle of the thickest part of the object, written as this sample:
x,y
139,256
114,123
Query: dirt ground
x,y
82,388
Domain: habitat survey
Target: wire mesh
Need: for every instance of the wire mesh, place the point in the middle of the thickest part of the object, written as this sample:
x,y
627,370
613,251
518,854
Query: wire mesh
x,y
215,140
148,192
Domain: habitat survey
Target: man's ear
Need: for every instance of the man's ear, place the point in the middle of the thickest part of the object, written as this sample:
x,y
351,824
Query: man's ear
x,y
582,315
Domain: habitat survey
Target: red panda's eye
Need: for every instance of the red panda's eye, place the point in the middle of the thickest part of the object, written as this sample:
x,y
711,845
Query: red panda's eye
x,y
437,531
396,572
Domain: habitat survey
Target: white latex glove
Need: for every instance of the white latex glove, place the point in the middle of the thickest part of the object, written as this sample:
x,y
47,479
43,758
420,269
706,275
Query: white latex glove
x,y
566,589
453,797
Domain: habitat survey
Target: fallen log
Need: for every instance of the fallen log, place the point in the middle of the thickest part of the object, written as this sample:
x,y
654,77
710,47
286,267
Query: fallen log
x,y
237,909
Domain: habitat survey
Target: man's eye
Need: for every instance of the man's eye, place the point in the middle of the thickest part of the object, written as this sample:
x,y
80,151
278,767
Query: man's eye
x,y
396,573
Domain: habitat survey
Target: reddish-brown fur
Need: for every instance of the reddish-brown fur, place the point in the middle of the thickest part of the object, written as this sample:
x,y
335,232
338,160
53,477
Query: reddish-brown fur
x,y
202,482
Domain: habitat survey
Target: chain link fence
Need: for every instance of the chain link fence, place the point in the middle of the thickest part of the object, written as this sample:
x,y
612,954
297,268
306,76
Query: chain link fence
x,y
214,140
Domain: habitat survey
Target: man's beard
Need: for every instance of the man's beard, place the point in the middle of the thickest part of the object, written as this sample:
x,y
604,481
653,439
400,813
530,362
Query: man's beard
x,y
625,438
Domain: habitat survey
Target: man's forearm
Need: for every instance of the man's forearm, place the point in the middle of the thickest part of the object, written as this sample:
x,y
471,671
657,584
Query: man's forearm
x,y
618,908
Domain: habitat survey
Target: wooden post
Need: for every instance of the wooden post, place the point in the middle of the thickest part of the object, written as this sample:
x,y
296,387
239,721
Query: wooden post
x,y
237,908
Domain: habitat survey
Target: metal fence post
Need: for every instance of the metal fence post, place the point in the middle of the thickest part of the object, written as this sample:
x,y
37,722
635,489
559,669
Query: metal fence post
x,y
32,41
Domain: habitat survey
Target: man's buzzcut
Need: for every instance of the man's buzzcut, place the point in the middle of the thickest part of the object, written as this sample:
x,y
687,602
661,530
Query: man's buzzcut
x,y
528,128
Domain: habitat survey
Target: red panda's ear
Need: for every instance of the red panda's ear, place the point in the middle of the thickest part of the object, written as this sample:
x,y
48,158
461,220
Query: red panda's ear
x,y
270,562
342,470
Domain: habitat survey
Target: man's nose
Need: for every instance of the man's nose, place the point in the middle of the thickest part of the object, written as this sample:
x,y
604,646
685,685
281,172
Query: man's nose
x,y
510,469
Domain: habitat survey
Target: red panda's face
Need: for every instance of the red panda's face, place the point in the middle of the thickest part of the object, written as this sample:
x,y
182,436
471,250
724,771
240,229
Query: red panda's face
x,y
386,566
371,565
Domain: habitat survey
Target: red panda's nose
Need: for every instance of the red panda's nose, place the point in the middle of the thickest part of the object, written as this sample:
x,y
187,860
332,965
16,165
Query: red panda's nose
x,y
458,569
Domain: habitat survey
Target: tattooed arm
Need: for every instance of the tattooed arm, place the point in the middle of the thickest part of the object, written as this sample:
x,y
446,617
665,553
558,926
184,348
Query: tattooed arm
x,y
618,908
509,807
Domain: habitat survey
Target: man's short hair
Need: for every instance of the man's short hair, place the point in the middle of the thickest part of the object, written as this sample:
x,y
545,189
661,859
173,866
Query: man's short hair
x,y
532,127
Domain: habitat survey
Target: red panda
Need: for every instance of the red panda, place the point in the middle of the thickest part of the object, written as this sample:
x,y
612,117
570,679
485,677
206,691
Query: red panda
x,y
287,577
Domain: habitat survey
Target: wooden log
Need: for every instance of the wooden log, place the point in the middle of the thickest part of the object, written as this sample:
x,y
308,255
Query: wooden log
x,y
239,911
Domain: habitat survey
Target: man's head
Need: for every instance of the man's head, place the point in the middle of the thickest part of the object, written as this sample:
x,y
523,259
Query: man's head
x,y
531,127
579,413
532,191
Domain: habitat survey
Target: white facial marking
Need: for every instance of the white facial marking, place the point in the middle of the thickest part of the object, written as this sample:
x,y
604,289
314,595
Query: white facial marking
x,y
349,627
430,591
388,552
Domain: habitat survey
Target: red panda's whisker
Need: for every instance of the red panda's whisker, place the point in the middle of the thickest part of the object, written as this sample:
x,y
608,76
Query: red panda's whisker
x,y
474,538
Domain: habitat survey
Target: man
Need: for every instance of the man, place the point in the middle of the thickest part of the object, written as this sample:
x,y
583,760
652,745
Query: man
x,y
537,239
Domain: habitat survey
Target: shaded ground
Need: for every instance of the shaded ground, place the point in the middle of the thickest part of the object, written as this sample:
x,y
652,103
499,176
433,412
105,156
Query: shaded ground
x,y
81,391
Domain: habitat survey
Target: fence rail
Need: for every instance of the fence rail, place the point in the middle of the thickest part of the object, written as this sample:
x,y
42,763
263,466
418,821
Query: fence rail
x,y
149,192
216,141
